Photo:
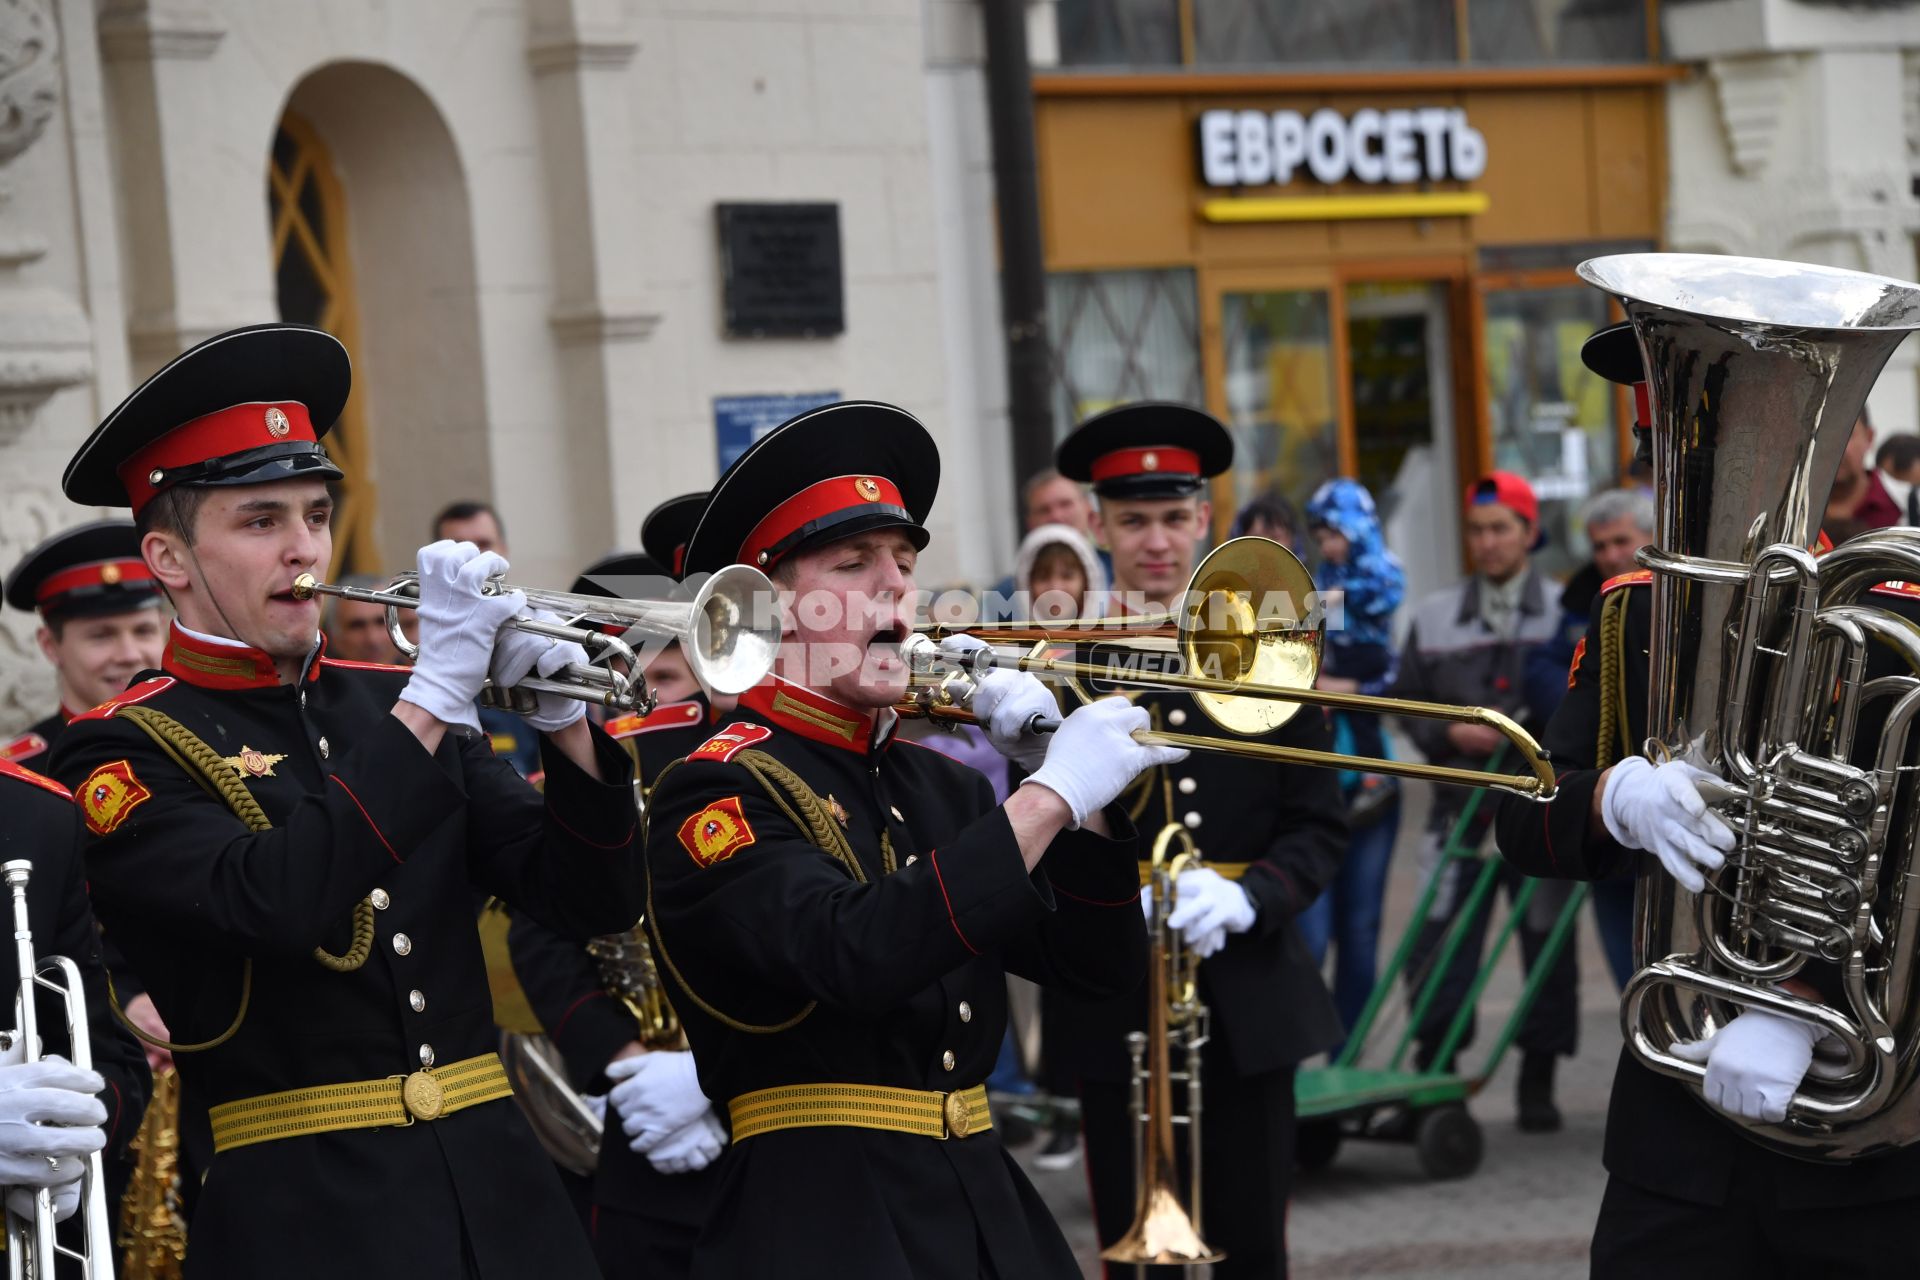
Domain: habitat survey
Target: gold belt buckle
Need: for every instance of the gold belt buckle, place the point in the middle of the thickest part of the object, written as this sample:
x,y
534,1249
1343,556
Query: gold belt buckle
x,y
953,1108
423,1096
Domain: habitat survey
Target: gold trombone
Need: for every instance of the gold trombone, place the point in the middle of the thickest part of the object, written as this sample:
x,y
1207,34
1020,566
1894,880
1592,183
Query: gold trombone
x,y
1246,621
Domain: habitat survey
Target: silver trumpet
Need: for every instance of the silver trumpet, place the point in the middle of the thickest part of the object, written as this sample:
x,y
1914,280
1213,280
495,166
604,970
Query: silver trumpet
x,y
1758,371
728,630
32,1250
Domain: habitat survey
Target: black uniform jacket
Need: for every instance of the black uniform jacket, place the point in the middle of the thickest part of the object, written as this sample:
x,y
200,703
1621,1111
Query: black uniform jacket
x,y
358,810
38,823
1660,1136
1268,1003
32,747
897,980
588,1026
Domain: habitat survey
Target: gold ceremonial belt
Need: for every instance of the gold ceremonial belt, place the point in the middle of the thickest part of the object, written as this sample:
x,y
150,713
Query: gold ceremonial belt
x,y
1229,870
924,1113
360,1104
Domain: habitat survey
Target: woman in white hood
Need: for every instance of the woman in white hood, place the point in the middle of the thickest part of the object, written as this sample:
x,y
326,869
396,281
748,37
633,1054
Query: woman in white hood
x,y
1060,574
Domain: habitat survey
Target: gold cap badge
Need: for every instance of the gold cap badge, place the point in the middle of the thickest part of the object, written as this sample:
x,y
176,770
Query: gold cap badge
x,y
277,424
109,573
868,488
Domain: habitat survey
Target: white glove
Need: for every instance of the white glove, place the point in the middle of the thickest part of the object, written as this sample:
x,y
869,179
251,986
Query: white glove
x,y
1004,702
597,1103
457,629
518,654
1754,1063
66,1196
49,1117
1093,756
1658,808
692,1148
1206,904
656,1095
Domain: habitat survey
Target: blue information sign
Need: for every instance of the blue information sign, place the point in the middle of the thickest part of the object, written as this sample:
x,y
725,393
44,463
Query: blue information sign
x,y
740,420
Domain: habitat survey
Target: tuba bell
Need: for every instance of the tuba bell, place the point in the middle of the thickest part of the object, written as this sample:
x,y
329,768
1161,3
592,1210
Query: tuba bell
x,y
1757,372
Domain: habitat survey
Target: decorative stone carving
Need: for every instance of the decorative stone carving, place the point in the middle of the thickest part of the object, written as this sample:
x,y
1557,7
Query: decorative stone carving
x,y
29,74
45,341
1752,93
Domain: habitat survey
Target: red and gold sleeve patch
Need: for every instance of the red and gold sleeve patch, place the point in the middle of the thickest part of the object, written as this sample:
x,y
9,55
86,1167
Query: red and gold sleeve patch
x,y
109,795
1573,671
736,737
717,832
1897,589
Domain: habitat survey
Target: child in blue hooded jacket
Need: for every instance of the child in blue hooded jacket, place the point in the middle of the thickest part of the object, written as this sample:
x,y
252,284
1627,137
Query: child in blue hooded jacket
x,y
1355,562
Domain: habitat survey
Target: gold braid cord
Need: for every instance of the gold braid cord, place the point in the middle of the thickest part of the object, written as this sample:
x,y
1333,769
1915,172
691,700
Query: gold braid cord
x,y
810,816
1613,744
219,780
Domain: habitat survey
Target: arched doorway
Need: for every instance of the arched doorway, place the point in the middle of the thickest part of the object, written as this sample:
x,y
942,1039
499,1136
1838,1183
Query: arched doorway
x,y
313,279
373,241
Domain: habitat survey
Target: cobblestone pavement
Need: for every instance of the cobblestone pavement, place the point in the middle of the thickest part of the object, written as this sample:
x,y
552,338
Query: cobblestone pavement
x,y
1527,1212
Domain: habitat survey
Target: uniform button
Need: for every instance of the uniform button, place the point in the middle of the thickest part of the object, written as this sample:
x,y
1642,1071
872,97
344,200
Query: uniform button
x,y
325,750
402,944
418,1001
911,859
946,1060
1192,820
966,1012
426,1055
897,817
1187,786
379,899
1176,717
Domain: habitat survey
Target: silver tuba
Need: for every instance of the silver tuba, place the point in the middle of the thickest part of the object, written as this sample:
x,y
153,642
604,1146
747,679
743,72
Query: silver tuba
x,y
1757,372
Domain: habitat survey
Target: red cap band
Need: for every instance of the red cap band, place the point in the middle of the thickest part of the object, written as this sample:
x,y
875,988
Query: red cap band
x,y
235,430
1156,459
1642,405
103,573
816,502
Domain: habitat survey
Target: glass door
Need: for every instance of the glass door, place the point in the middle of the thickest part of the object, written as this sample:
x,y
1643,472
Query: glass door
x,y
1399,369
1277,392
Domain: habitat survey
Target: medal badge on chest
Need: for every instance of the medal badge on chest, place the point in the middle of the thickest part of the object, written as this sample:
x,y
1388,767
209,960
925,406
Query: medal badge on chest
x,y
253,764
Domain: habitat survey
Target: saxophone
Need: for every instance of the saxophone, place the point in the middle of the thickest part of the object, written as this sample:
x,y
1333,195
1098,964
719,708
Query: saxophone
x,y
153,1232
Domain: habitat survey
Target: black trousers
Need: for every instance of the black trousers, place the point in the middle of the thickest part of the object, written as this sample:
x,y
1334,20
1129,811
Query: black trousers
x,y
1246,1168
1642,1235
631,1247
1552,1025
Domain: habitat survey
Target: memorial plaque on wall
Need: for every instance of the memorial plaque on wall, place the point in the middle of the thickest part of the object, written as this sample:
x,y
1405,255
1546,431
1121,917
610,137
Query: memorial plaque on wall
x,y
780,270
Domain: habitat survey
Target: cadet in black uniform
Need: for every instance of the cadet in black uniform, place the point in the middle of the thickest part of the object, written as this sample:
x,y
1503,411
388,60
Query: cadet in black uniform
x,y
839,909
100,622
648,1200
286,846
1689,1195
1273,836
100,625
92,1109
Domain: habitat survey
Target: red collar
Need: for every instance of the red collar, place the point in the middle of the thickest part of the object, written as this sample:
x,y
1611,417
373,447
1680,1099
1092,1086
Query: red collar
x,y
800,710
224,666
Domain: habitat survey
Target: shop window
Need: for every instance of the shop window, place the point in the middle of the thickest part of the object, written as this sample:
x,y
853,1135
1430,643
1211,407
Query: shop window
x,y
1553,420
1118,33
1279,392
1119,336
1539,31
1378,32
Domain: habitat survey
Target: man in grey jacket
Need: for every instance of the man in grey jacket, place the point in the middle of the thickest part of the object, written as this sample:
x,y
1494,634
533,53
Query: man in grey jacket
x,y
1469,645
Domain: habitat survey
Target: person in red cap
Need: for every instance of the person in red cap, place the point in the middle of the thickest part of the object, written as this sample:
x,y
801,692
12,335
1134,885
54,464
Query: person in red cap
x,y
1469,645
287,847
837,910
100,621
